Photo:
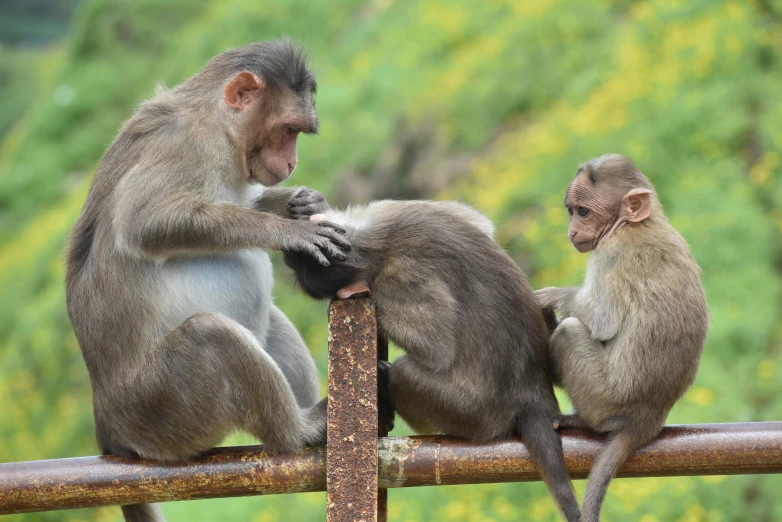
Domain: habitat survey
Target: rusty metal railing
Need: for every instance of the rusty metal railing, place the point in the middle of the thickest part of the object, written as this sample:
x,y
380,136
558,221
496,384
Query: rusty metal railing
x,y
356,463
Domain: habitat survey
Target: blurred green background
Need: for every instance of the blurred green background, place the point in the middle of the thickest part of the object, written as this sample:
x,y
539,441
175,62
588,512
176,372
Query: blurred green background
x,y
491,102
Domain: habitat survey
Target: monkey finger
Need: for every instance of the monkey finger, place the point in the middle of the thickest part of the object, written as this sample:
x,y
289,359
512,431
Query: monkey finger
x,y
315,252
306,200
307,197
337,239
329,249
332,251
331,225
298,208
303,191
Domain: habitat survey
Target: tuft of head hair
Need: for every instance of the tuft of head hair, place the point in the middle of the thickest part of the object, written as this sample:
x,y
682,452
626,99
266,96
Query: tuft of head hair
x,y
317,281
280,63
615,169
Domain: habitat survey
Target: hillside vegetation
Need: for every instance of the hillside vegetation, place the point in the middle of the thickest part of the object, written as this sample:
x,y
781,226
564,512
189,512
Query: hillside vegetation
x,y
494,103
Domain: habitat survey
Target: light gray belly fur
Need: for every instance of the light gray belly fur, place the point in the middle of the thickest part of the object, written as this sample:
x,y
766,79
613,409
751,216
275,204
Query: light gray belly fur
x,y
237,285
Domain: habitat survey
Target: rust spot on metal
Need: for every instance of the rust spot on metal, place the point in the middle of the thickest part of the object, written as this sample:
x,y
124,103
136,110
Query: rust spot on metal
x,y
352,412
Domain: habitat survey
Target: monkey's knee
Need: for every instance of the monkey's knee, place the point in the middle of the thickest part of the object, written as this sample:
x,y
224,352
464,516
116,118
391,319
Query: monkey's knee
x,y
569,335
569,328
205,328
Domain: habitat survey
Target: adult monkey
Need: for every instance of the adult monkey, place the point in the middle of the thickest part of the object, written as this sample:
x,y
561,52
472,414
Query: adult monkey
x,y
167,287
631,338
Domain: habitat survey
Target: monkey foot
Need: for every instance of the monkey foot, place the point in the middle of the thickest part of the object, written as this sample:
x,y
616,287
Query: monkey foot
x,y
571,420
385,405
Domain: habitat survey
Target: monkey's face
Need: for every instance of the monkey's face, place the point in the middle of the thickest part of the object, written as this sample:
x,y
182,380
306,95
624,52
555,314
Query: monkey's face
x,y
270,123
271,155
604,195
591,211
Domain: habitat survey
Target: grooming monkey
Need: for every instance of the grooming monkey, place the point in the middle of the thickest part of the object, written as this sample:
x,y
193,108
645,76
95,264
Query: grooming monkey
x,y
168,288
475,342
630,340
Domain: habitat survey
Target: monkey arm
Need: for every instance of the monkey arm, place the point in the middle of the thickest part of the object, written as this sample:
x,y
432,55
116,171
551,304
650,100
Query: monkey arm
x,y
418,312
602,320
560,299
578,361
593,309
166,229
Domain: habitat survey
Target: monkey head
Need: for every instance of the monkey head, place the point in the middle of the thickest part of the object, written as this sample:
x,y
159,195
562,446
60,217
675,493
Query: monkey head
x,y
607,193
270,117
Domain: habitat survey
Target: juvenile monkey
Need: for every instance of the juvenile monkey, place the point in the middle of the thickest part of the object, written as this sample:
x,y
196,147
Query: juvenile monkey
x,y
475,342
630,340
168,288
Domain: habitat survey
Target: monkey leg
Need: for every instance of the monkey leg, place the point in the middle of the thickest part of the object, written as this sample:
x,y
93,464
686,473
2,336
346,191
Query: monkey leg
x,y
570,420
210,377
285,345
578,363
440,402
385,402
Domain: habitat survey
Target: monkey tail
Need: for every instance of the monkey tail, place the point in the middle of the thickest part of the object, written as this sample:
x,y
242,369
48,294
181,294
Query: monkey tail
x,y
545,447
621,444
142,513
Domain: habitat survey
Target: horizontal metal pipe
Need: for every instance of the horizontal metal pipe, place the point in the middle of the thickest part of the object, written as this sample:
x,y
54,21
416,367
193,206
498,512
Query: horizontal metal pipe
x,y
706,449
702,449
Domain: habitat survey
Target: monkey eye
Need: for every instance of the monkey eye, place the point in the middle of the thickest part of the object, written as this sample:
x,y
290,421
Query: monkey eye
x,y
292,130
583,212
569,211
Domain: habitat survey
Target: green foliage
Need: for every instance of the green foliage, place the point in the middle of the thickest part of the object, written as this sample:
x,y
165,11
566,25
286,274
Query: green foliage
x,y
689,90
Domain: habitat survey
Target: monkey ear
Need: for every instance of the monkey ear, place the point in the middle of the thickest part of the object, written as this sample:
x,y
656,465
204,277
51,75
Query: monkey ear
x,y
637,204
242,90
357,289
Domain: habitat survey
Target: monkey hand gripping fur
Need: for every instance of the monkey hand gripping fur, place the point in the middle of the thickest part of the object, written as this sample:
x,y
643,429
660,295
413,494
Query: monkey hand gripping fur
x,y
631,338
168,286
475,342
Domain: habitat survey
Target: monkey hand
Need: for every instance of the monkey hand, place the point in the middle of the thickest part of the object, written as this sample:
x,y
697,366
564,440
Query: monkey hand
x,y
322,240
548,298
306,202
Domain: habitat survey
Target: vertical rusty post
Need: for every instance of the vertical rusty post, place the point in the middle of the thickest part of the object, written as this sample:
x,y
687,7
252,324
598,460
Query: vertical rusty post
x,y
351,452
382,493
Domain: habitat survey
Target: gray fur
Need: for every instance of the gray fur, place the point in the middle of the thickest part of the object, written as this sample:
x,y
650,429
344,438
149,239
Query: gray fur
x,y
476,351
168,288
631,338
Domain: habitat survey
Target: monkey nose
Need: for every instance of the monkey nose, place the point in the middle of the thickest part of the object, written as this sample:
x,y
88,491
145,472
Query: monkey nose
x,y
573,235
291,168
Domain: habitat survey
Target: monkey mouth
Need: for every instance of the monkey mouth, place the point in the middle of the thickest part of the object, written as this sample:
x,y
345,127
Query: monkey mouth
x,y
259,172
582,246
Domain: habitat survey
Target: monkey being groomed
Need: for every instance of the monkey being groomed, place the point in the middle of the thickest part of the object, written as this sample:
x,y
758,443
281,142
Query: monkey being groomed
x,y
475,341
631,338
168,287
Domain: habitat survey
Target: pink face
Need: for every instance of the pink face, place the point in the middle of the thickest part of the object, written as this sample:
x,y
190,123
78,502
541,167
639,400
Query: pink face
x,y
591,214
597,211
273,158
272,124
